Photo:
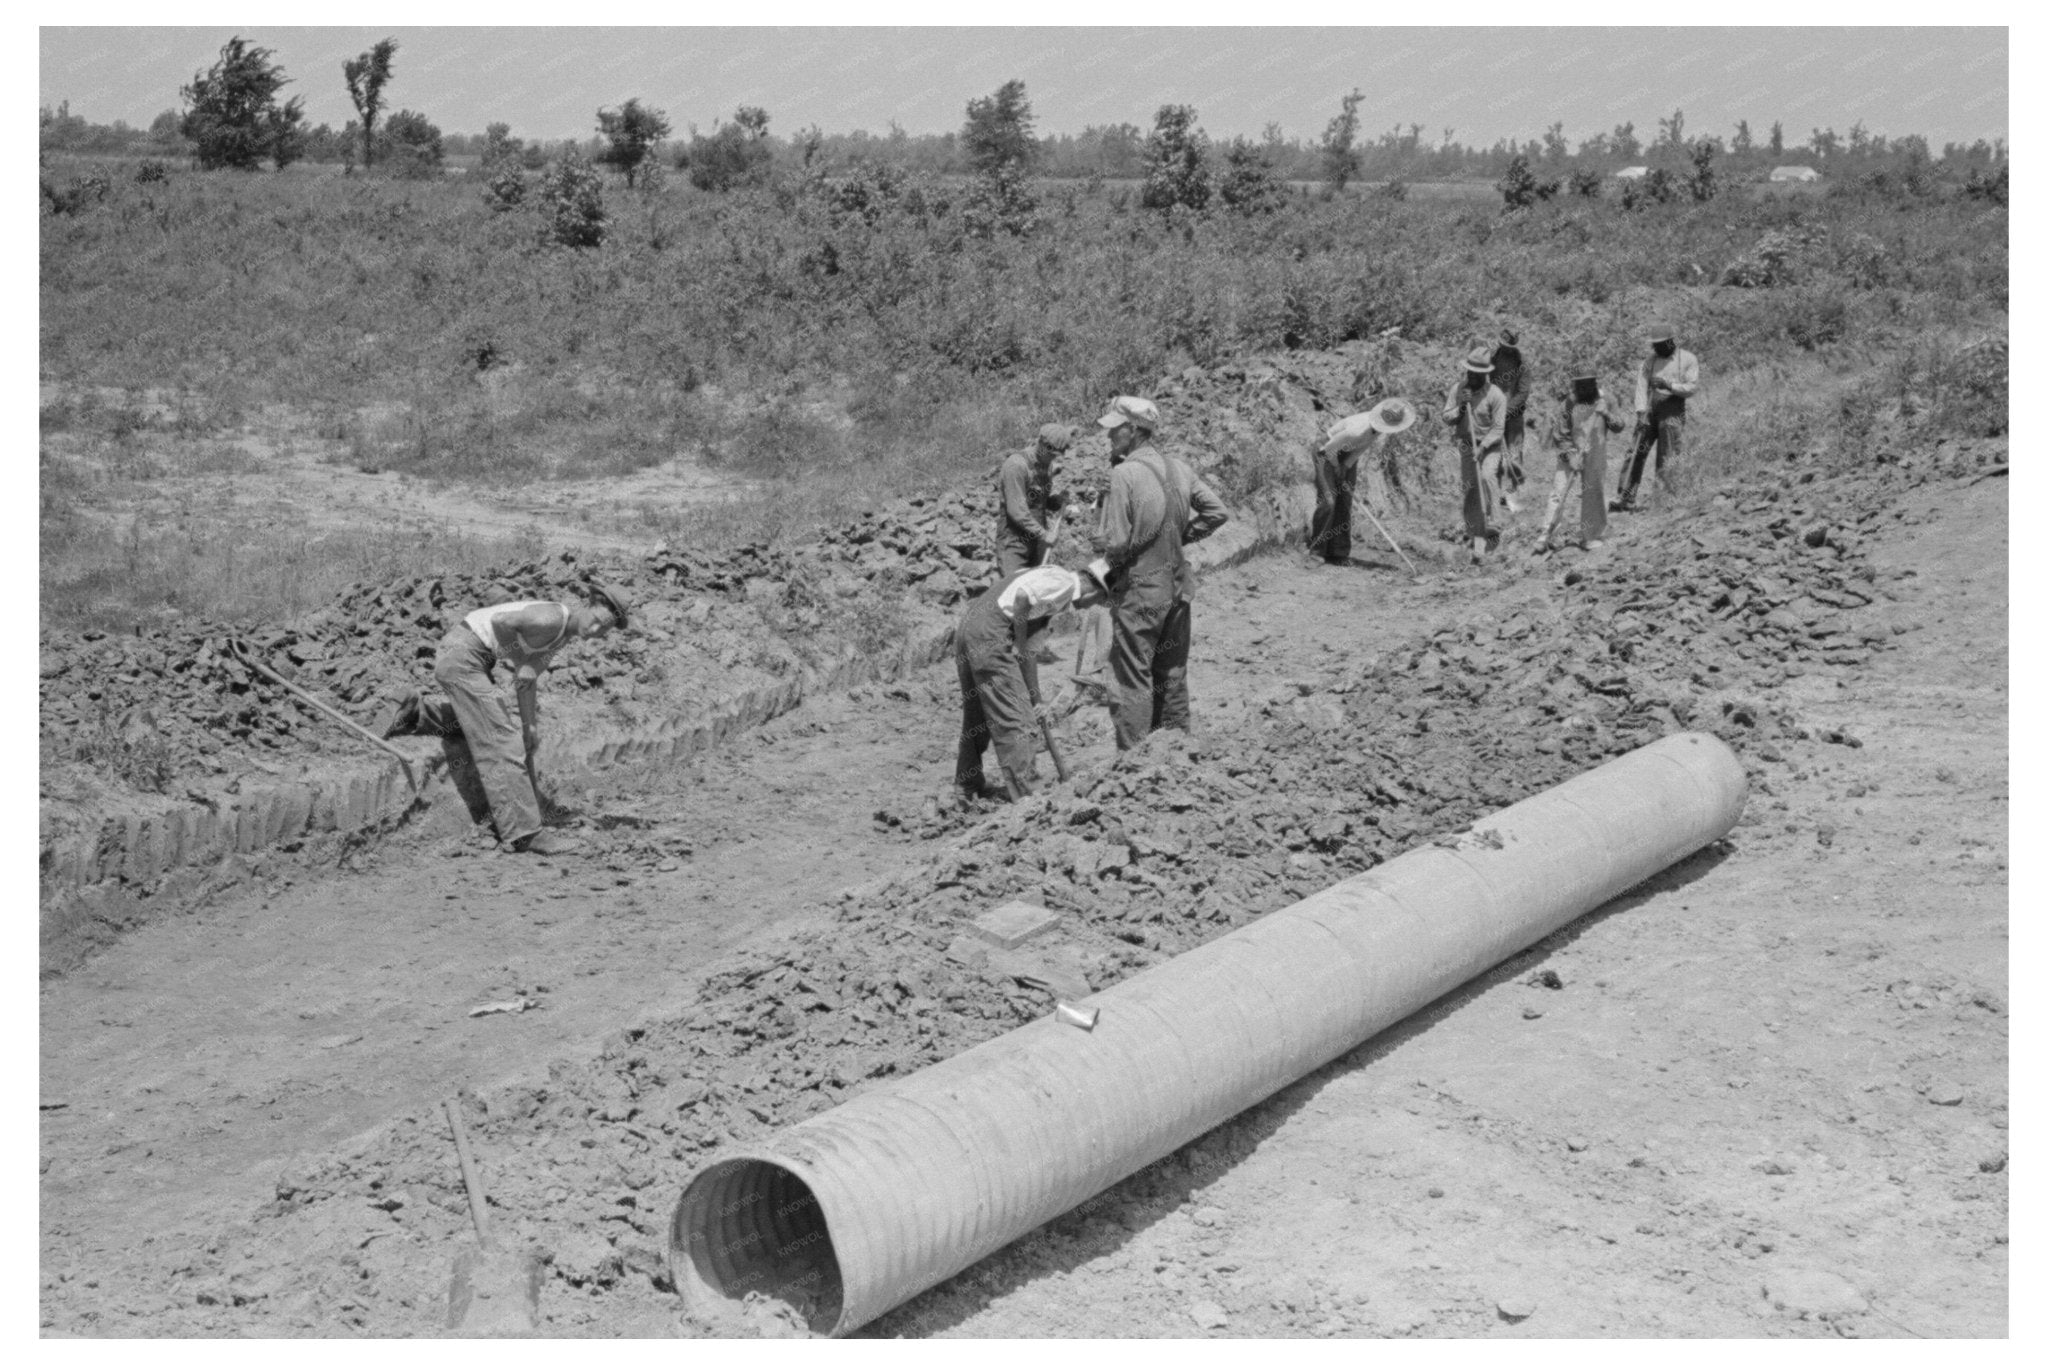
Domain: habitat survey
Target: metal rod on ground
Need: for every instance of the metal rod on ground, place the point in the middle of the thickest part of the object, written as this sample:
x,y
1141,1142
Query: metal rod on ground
x,y
247,657
849,1213
1413,571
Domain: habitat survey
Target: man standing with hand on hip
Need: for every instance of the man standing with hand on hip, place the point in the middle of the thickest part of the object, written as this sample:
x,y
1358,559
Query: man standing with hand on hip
x,y
1155,506
1669,377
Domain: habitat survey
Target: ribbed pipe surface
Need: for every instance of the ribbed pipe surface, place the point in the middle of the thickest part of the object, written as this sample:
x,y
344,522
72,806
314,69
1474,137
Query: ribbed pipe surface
x,y
852,1212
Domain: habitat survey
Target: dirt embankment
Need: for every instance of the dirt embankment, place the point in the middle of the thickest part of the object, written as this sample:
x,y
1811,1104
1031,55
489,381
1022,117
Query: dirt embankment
x,y
1329,774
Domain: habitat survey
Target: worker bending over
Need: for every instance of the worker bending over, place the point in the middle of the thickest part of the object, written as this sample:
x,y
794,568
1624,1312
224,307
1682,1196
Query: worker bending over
x,y
1000,700
525,636
1336,466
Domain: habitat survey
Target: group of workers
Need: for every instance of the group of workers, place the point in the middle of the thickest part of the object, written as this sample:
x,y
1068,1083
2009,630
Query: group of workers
x,y
1155,506
1486,412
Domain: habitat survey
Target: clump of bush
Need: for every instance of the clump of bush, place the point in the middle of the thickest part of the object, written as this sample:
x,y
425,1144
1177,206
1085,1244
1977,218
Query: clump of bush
x,y
572,204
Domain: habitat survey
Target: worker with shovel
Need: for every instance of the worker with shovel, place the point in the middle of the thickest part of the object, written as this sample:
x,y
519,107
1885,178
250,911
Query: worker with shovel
x,y
1477,412
526,636
1584,420
1000,700
1336,462
1026,522
1156,505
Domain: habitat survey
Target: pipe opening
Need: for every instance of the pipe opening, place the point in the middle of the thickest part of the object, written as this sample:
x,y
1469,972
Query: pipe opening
x,y
748,1237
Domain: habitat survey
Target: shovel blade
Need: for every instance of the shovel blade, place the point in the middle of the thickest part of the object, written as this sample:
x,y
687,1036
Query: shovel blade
x,y
494,1293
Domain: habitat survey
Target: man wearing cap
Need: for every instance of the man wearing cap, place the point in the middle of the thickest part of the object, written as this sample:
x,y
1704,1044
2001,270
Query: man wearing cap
x,y
1585,417
1024,498
1477,412
1000,702
1336,465
1511,377
1667,378
525,635
1156,505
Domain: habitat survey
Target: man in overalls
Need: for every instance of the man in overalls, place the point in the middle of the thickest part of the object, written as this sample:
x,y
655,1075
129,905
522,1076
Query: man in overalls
x,y
525,635
1156,504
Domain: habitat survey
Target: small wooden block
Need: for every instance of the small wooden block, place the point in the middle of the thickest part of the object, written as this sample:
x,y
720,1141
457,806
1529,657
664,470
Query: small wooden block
x,y
1014,924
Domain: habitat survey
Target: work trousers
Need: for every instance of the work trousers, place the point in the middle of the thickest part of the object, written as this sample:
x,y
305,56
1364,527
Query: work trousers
x,y
1661,437
1511,432
1014,554
1590,469
1481,478
475,710
995,706
1148,660
1329,533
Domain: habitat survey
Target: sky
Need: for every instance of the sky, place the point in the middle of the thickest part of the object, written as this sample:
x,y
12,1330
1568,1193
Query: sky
x,y
1949,84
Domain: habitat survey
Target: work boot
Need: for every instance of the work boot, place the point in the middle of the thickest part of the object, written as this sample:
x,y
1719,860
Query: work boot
x,y
406,719
547,843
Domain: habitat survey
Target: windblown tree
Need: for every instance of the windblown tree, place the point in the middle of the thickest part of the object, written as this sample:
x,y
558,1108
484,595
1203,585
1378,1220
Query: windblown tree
x,y
366,75
233,117
631,133
1339,149
1176,160
1001,149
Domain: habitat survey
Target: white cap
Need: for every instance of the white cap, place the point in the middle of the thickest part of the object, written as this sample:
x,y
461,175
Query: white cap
x,y
1142,412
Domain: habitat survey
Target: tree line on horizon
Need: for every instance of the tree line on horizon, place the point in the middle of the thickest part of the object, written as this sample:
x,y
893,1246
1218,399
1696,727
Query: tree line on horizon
x,y
234,116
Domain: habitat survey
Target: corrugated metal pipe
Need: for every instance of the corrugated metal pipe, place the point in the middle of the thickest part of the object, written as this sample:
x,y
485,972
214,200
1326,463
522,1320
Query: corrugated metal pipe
x,y
851,1212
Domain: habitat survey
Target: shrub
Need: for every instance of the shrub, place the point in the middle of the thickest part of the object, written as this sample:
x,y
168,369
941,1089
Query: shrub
x,y
1701,183
1395,189
1816,318
1585,184
1987,188
1248,184
152,172
1520,189
572,204
411,146
735,154
505,187
75,194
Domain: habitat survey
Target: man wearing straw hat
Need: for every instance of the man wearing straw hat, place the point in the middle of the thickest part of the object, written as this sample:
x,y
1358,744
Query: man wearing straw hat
x,y
1336,465
1477,412
1155,506
1668,377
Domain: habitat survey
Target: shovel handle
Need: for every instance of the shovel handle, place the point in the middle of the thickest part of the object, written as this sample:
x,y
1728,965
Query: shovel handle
x,y
472,1182
248,658
1052,746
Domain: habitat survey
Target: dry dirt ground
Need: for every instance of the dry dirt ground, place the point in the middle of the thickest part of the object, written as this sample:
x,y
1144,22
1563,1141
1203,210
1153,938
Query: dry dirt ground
x,y
1767,1095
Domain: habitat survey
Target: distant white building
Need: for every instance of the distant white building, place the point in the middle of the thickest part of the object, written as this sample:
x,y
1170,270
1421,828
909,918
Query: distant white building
x,y
1632,173
1800,174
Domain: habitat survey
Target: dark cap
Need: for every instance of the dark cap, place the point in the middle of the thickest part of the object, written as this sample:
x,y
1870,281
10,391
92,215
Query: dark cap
x,y
612,598
1053,436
